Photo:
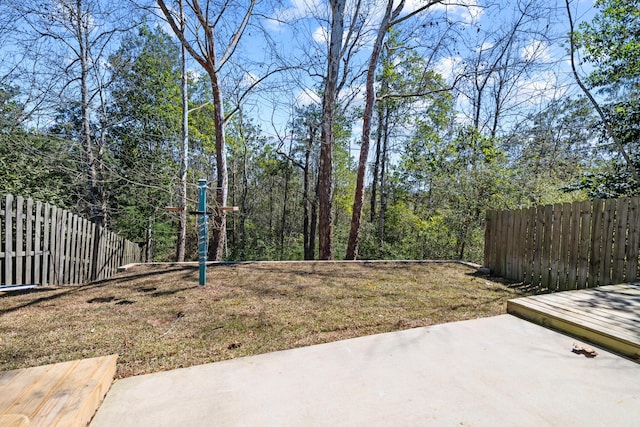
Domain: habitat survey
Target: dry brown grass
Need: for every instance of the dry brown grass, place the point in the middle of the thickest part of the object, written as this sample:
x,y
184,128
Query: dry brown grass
x,y
157,318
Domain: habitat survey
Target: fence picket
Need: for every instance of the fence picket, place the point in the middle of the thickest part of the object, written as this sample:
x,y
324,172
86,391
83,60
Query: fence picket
x,y
8,240
620,242
608,236
19,238
631,274
28,265
595,245
508,244
37,258
566,246
488,240
40,243
46,243
566,236
545,265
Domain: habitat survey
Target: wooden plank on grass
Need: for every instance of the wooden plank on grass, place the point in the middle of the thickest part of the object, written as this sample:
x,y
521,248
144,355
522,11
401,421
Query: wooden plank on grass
x,y
620,243
67,393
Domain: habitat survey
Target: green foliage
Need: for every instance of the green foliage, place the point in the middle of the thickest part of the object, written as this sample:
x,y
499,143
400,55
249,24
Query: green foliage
x,y
550,151
612,42
10,110
42,168
144,139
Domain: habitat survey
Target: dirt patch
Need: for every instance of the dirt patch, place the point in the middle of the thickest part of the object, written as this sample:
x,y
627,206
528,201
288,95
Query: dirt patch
x,y
158,318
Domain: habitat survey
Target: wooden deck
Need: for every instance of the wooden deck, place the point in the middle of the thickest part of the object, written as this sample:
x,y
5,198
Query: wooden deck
x,y
608,316
62,394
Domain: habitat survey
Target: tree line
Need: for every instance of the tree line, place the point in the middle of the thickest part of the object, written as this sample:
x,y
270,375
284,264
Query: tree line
x,y
341,129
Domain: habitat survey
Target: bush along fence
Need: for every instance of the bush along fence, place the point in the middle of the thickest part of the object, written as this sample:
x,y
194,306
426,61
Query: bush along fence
x,y
566,246
46,245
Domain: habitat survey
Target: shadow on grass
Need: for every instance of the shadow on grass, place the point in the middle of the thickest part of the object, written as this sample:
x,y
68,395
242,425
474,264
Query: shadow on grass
x,y
62,291
520,287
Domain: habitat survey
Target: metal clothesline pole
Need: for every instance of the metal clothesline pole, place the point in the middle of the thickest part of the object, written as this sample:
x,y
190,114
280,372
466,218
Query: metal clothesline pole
x,y
203,238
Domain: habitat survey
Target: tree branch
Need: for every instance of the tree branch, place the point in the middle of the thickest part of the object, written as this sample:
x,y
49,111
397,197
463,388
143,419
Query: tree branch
x,y
595,104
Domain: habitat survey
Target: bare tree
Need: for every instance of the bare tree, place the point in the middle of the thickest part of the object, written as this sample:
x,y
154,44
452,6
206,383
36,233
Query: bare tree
x,y
327,138
184,155
77,35
212,37
200,40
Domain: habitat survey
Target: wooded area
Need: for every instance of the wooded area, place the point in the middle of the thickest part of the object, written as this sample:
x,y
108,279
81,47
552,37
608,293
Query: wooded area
x,y
45,245
566,246
367,129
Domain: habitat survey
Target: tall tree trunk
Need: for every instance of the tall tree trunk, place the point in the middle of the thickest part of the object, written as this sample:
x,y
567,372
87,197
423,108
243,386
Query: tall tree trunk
x,y
358,201
222,175
376,164
313,226
309,199
232,236
285,201
383,178
184,158
95,193
243,200
325,170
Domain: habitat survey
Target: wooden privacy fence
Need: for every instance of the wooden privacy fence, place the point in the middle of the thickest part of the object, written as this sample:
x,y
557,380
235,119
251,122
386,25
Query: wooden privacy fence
x,y
42,244
566,246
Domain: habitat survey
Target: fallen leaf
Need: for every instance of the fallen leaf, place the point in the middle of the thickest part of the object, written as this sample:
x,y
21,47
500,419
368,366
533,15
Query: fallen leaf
x,y
587,351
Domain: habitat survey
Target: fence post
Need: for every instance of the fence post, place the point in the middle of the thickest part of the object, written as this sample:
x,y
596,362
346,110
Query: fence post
x,y
202,231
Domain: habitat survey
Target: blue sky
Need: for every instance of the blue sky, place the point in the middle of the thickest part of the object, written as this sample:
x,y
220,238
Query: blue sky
x,y
305,35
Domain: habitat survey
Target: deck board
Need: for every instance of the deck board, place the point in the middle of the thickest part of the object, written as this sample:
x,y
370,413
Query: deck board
x,y
60,394
608,316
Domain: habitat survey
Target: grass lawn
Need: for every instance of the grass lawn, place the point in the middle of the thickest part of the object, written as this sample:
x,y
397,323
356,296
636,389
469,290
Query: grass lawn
x,y
158,318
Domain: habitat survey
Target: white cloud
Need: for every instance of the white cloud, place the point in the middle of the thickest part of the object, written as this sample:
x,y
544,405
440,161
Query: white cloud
x,y
537,50
485,46
298,9
468,11
449,66
307,97
321,35
541,85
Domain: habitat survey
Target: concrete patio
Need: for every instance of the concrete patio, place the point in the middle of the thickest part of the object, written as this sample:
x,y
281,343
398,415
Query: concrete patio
x,y
498,371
